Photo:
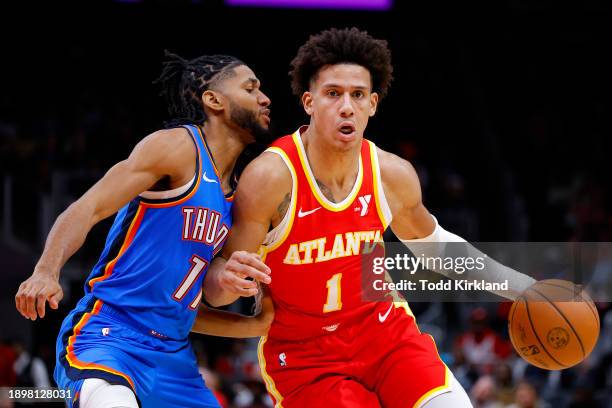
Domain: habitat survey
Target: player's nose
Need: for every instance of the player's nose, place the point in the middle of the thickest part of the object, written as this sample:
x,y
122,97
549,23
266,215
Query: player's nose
x,y
346,109
263,99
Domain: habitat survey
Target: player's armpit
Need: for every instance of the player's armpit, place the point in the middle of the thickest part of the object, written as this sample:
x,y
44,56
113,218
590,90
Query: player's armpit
x,y
225,324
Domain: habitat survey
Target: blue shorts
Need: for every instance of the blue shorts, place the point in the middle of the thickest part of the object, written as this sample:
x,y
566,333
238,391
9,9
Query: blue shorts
x,y
97,342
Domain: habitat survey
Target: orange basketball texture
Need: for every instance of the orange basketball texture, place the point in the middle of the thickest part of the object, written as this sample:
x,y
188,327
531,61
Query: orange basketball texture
x,y
554,325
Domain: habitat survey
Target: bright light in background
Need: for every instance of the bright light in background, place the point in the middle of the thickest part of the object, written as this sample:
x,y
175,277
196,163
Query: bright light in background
x,y
320,4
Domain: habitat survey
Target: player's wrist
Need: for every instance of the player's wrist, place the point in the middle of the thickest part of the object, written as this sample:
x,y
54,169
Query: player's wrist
x,y
46,271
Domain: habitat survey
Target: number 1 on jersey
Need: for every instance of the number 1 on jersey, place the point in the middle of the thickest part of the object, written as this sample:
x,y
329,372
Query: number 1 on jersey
x,y
334,294
197,266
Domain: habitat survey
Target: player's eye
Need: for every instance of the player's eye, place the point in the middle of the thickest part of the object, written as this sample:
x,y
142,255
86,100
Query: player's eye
x,y
332,92
358,94
250,90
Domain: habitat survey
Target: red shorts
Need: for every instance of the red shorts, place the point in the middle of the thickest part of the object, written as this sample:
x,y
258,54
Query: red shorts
x,y
377,362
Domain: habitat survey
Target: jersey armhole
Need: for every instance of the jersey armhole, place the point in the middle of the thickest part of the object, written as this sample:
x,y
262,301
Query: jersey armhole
x,y
384,211
179,194
167,194
277,235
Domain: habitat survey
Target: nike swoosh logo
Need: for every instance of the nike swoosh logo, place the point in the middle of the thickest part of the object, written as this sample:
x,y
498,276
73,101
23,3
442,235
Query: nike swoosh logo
x,y
206,179
332,328
381,317
305,213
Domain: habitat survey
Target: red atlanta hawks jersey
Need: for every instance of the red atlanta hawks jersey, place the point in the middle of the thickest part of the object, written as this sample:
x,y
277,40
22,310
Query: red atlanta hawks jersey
x,y
315,253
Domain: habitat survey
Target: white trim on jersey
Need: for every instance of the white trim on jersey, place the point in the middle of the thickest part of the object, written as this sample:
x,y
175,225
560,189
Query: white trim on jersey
x,y
381,191
348,200
166,194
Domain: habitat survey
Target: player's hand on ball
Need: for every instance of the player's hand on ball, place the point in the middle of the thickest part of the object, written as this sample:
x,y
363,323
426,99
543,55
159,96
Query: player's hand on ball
x,y
241,273
33,294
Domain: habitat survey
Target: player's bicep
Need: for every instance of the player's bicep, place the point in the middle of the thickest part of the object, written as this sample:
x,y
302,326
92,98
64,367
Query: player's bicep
x,y
261,190
411,219
118,186
413,222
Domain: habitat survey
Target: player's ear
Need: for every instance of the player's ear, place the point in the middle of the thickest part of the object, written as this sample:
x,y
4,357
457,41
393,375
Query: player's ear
x,y
212,100
307,102
373,103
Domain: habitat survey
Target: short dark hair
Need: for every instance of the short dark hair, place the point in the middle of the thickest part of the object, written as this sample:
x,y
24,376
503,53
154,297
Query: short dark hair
x,y
337,46
184,81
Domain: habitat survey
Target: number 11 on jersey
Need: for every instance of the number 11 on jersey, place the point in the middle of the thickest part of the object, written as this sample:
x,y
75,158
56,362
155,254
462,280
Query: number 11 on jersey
x,y
334,294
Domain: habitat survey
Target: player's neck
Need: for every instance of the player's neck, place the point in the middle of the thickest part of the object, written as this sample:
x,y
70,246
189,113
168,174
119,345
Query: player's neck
x,y
334,168
225,146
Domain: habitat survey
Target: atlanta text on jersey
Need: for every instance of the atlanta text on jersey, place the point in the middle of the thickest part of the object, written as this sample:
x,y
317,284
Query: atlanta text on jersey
x,y
318,250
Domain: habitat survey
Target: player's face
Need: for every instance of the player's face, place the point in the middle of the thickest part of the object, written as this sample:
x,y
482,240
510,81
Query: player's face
x,y
247,106
340,102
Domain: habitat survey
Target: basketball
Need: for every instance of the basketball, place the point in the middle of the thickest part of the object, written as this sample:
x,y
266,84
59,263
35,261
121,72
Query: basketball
x,y
554,324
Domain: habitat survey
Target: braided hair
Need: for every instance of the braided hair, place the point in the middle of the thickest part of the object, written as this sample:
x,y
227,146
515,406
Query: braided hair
x,y
184,81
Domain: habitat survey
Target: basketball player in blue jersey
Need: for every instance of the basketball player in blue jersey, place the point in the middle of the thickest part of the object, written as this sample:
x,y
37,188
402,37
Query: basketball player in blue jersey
x,y
126,341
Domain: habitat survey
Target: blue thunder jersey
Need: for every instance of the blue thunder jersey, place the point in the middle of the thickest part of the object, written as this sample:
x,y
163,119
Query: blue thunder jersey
x,y
159,249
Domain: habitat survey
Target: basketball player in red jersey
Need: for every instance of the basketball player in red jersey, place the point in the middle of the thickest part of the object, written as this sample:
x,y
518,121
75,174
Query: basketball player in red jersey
x,y
312,199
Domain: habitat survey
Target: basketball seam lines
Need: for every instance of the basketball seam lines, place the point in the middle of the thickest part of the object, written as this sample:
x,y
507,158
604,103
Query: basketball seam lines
x,y
564,318
538,337
514,308
595,313
511,318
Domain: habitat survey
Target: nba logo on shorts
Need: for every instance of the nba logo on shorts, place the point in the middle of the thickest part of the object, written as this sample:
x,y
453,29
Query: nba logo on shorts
x,y
105,331
282,359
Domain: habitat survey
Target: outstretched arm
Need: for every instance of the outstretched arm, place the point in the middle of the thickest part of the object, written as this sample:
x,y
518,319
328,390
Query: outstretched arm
x,y
166,153
420,232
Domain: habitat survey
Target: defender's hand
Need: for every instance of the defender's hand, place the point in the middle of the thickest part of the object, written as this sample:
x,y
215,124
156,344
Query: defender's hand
x,y
240,266
35,292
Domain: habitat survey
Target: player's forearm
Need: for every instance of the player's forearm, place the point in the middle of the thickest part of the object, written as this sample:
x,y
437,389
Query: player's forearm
x,y
66,236
214,293
435,246
225,324
494,271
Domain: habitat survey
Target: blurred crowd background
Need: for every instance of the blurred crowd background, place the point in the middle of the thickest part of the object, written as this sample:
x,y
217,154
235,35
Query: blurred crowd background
x,y
503,108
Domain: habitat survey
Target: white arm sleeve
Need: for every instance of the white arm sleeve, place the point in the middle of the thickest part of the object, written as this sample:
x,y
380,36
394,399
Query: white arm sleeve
x,y
434,246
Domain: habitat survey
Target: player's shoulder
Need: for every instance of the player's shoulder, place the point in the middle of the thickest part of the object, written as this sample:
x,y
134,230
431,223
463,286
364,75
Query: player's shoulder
x,y
268,168
168,150
264,183
394,169
399,178
169,140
